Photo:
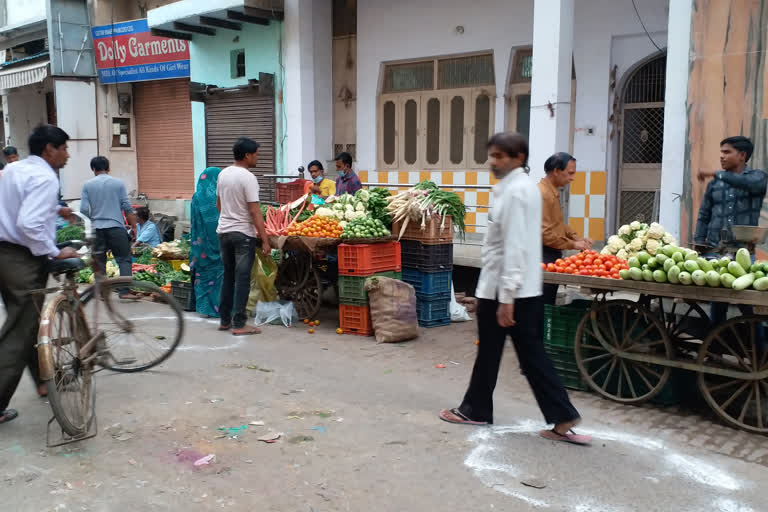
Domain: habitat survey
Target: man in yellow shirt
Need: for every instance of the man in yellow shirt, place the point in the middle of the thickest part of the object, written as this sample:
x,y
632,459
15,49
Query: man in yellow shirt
x,y
320,185
556,235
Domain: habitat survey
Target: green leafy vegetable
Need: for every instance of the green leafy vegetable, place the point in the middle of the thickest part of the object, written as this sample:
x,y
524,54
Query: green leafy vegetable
x,y
84,276
143,255
68,233
377,206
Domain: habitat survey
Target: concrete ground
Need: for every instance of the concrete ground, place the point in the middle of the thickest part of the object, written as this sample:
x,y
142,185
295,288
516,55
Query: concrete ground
x,y
359,431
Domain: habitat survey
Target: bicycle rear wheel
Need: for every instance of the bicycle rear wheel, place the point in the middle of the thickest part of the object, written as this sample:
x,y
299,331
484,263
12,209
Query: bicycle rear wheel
x,y
70,387
139,333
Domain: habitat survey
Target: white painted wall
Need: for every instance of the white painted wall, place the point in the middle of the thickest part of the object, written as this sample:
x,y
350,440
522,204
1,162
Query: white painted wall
x,y
608,33
322,32
24,109
76,115
21,12
122,160
406,29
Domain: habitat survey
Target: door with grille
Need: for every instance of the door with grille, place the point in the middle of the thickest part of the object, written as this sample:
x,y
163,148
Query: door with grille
x,y
641,143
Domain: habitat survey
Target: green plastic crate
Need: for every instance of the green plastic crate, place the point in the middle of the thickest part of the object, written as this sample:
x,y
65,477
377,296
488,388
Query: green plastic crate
x,y
352,288
561,322
564,361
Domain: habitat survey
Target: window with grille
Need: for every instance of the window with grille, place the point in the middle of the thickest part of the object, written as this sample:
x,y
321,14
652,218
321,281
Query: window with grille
x,y
237,63
437,113
522,67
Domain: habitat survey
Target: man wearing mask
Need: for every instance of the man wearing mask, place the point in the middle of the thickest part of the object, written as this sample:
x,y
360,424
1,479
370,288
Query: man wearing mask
x,y
347,182
556,235
320,185
29,204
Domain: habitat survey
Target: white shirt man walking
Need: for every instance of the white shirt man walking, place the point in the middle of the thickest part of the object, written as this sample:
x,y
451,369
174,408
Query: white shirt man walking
x,y
29,204
510,301
241,230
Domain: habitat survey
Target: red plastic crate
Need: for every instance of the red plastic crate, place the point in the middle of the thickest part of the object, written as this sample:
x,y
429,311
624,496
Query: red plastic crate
x,y
289,192
368,259
355,320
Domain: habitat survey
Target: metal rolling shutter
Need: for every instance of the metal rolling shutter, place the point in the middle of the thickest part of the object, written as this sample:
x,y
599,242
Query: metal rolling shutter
x,y
230,115
164,147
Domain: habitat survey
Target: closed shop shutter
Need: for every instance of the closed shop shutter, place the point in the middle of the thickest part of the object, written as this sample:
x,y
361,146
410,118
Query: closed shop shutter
x,y
164,147
230,115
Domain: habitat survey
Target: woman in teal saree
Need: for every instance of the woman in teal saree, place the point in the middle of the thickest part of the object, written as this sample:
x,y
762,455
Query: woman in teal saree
x,y
204,256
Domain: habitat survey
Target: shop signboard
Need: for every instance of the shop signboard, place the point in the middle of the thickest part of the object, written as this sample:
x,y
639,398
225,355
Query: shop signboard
x,y
128,52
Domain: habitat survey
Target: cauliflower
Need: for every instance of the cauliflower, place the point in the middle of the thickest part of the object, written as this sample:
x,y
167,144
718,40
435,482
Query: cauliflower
x,y
324,212
350,208
635,226
636,245
606,251
641,234
343,224
112,269
668,239
652,246
352,215
360,207
656,231
622,254
625,230
616,244
363,195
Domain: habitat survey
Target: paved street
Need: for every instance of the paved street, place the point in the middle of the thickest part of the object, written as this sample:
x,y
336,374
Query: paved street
x,y
360,432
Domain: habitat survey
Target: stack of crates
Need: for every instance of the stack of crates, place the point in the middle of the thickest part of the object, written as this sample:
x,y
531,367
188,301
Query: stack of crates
x,y
428,266
357,263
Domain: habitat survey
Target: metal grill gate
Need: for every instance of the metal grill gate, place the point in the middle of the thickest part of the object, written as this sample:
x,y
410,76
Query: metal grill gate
x,y
641,143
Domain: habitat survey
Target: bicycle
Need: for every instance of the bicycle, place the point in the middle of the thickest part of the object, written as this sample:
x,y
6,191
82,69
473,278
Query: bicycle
x,y
71,349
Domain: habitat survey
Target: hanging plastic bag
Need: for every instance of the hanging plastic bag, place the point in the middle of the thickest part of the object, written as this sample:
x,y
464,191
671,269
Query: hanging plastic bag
x,y
458,312
275,313
263,275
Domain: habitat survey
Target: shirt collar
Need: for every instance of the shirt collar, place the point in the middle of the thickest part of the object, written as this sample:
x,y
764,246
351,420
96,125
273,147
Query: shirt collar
x,y
36,160
550,186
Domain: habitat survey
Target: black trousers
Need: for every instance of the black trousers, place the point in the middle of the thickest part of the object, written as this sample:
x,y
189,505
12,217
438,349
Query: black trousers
x,y
19,271
238,252
549,291
527,339
118,241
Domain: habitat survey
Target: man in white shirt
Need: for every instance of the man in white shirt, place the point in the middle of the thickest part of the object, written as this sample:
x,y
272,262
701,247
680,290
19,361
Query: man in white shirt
x,y
510,301
29,204
241,230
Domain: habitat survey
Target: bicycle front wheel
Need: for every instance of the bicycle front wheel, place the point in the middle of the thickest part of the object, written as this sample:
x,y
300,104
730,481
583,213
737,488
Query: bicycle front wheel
x,y
63,333
141,331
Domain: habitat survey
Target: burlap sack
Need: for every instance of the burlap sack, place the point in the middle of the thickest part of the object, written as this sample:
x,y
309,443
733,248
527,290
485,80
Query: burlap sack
x,y
393,309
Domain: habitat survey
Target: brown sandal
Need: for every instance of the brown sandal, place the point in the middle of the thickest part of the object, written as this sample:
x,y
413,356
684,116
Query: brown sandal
x,y
8,415
246,331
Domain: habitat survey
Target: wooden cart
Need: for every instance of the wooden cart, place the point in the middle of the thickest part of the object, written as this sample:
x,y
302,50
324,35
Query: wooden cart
x,y
627,349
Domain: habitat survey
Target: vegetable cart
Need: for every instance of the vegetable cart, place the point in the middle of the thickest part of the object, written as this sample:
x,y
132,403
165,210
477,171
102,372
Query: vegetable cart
x,y
626,349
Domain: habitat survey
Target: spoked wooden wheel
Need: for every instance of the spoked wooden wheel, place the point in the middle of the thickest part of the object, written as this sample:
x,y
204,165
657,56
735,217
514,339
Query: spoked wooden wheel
x,y
737,345
307,301
293,272
684,321
621,325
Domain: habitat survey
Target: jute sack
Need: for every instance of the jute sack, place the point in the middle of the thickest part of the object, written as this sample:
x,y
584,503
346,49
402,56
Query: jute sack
x,y
393,309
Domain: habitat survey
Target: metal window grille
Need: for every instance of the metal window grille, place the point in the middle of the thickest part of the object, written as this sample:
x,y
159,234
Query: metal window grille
x,y
648,83
458,72
643,139
482,127
433,131
523,125
640,206
412,76
522,69
352,150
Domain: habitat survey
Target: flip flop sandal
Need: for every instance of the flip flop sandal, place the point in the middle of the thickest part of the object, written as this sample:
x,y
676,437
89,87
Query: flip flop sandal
x,y
463,420
8,415
225,327
249,331
569,437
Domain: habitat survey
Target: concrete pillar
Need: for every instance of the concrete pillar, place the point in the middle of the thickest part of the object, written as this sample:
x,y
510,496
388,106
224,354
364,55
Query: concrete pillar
x,y
551,81
6,119
675,115
307,82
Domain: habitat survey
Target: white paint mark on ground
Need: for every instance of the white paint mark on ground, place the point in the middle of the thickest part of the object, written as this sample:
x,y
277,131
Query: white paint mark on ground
x,y
728,505
701,472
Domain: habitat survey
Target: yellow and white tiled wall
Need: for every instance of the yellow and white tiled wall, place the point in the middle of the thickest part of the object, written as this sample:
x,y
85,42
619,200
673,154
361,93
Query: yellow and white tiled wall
x,y
586,202
477,200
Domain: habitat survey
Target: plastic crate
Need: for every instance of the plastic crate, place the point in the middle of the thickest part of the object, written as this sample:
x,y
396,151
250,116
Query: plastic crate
x,y
432,232
289,192
427,257
355,320
435,323
561,322
564,361
429,285
430,312
368,259
352,288
184,293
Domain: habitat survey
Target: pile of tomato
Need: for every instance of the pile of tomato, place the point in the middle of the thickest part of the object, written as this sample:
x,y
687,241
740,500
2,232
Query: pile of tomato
x,y
588,263
317,227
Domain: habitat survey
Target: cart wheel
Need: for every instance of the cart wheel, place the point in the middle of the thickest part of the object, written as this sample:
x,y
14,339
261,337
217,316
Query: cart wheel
x,y
737,345
622,325
685,321
308,300
293,272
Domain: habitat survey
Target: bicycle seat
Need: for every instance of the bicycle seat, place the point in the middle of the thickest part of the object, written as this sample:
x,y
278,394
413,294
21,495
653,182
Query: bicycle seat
x,y
66,266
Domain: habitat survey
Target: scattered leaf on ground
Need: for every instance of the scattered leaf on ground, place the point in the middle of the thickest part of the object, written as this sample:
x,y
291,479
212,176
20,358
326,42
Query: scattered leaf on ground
x,y
300,439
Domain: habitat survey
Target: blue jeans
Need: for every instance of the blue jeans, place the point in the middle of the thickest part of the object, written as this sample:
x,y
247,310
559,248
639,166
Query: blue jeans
x,y
238,252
